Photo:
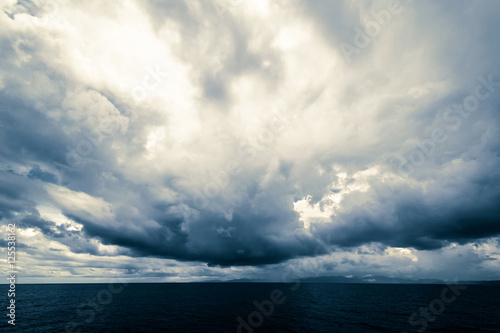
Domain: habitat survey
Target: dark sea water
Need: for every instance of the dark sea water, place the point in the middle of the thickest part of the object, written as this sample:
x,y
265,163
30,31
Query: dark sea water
x,y
215,307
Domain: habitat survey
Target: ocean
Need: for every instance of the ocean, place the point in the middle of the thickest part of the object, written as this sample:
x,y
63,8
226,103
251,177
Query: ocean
x,y
254,307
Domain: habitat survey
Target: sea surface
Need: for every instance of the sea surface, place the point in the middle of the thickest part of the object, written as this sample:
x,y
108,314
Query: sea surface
x,y
216,307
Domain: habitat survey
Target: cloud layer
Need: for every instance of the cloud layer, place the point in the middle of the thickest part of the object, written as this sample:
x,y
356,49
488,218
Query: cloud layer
x,y
193,139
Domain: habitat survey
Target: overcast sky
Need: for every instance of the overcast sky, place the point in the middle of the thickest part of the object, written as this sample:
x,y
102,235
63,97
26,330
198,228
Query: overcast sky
x,y
200,140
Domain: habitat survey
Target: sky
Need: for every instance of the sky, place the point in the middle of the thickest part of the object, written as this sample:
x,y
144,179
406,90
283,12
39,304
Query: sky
x,y
176,141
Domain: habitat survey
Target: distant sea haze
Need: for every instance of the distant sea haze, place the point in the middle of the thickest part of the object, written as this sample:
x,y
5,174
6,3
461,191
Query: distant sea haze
x,y
256,307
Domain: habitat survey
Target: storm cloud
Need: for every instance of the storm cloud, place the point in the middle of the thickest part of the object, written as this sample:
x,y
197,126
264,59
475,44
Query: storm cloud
x,y
238,138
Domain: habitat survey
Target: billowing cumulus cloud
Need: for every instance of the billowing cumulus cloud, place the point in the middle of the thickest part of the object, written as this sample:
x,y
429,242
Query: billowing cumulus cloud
x,y
196,140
